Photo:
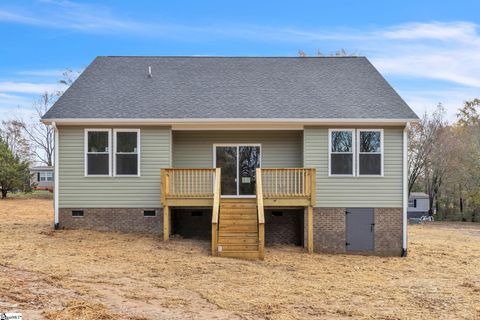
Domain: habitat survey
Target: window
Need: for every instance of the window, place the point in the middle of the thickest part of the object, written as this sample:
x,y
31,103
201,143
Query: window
x,y
149,213
341,149
97,156
370,152
45,176
77,213
127,151
412,203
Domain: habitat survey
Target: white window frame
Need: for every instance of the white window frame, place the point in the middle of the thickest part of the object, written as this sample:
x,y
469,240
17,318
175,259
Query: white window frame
x,y
381,152
46,175
237,145
330,152
115,152
85,146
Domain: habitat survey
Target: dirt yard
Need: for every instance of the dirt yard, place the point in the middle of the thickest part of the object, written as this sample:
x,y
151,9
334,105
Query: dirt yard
x,y
48,274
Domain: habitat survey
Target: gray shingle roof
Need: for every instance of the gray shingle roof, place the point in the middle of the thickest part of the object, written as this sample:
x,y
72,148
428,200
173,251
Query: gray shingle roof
x,y
230,87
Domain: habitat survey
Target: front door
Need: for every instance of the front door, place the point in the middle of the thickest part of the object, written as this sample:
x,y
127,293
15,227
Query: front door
x,y
238,164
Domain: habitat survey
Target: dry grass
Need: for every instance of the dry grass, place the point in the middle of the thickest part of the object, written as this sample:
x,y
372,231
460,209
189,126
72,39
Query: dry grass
x,y
91,275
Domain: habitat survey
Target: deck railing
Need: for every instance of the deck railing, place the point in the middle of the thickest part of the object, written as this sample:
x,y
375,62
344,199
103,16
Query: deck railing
x,y
216,211
188,183
288,182
260,216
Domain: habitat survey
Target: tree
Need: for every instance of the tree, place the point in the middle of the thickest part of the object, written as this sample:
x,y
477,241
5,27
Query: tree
x,y
469,114
12,134
14,172
41,135
438,163
422,138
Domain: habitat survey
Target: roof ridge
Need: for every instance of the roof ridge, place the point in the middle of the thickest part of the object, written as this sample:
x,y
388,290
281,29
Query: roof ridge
x,y
236,57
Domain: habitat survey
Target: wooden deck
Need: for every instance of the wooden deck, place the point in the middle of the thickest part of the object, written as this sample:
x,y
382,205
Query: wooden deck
x,y
275,187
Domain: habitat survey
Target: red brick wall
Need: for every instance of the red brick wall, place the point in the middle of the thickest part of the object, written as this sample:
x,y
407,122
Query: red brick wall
x,y
388,231
329,230
113,219
285,229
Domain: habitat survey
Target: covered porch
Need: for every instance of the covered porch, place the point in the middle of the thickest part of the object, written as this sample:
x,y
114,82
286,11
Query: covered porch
x,y
238,220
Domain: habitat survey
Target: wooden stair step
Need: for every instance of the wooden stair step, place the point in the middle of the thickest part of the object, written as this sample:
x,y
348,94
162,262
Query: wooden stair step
x,y
238,240
239,228
238,247
238,217
238,205
238,234
240,254
236,222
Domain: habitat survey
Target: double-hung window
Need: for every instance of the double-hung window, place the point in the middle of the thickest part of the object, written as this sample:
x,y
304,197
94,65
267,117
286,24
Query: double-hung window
x,y
45,176
341,152
370,152
97,155
127,152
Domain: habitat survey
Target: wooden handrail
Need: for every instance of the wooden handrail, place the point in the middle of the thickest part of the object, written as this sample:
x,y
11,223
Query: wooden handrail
x,y
261,215
187,183
288,182
216,211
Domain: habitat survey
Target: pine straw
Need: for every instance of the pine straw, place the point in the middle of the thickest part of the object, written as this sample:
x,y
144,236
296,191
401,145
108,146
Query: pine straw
x,y
112,274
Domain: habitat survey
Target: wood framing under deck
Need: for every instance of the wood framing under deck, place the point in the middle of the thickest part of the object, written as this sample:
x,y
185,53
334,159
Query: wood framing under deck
x,y
242,230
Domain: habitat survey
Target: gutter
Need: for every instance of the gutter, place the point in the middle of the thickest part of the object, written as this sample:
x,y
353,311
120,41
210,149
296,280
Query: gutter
x,y
212,121
405,192
55,176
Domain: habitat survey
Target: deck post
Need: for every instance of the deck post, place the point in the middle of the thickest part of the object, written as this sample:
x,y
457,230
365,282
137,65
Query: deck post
x,y
310,229
166,223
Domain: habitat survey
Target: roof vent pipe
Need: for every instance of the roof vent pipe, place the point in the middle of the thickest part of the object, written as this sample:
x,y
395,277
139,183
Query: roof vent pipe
x,y
149,71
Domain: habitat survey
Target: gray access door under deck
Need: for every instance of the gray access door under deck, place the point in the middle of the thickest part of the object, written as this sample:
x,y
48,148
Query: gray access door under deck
x,y
360,229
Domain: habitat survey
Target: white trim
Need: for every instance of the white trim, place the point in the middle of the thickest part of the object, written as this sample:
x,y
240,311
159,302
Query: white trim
x,y
359,130
56,178
330,130
175,121
237,145
85,151
405,189
115,152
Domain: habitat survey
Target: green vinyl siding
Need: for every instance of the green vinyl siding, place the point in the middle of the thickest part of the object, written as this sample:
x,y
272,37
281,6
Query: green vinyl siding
x,y
78,191
280,149
380,192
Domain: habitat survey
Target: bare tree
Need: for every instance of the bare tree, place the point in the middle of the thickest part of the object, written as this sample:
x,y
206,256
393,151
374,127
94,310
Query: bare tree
x,y
422,138
39,134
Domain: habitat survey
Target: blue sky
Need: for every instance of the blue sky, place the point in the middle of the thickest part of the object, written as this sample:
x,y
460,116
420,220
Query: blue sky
x,y
428,50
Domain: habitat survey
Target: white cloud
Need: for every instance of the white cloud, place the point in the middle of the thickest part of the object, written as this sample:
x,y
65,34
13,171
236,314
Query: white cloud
x,y
42,73
69,15
26,87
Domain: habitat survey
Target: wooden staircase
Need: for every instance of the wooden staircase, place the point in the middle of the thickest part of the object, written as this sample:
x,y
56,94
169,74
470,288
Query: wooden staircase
x,y
238,235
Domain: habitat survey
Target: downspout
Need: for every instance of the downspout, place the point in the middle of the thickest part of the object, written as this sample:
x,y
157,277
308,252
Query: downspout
x,y
56,175
405,191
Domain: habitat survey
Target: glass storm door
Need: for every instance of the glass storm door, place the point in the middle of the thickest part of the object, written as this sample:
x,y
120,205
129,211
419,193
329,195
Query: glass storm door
x,y
238,164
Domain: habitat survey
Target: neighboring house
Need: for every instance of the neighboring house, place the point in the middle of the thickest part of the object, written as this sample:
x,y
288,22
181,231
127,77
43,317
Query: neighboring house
x,y
418,205
42,178
308,151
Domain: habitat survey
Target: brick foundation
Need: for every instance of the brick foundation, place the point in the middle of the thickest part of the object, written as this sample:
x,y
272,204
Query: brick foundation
x,y
388,231
329,230
284,229
113,219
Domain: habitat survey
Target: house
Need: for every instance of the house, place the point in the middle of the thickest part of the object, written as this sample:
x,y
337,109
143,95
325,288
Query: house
x,y
244,151
418,205
42,178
